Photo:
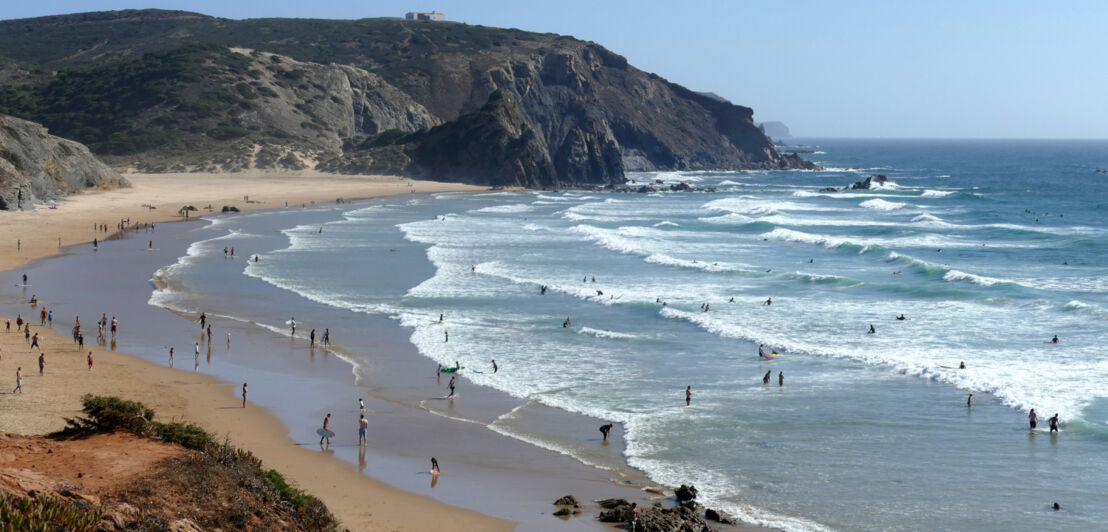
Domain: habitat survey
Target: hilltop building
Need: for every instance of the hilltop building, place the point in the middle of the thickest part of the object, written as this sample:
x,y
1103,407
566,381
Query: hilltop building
x,y
423,15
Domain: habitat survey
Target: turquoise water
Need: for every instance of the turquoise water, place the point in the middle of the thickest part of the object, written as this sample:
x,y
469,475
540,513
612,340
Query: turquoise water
x,y
989,248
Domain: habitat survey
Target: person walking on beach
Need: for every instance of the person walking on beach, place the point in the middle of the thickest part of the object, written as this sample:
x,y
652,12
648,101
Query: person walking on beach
x,y
363,426
780,378
50,319
115,327
41,363
311,338
765,380
326,336
292,323
18,380
203,319
604,429
209,335
494,368
688,395
90,360
361,405
435,466
451,386
1054,423
326,430
1033,419
244,395
196,348
81,341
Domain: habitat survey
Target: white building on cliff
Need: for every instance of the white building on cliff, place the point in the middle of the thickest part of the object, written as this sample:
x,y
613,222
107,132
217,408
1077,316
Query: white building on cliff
x,y
424,15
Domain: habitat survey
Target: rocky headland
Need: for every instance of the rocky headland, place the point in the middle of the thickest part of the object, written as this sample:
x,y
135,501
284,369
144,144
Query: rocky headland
x,y
171,91
37,167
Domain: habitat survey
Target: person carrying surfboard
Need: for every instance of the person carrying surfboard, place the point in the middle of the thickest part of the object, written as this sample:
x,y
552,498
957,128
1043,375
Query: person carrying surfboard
x,y
326,435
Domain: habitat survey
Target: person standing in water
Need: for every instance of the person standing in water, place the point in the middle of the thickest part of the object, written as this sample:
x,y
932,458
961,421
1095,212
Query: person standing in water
x,y
292,323
311,338
244,395
326,430
1054,423
765,380
434,466
780,378
969,401
451,386
769,301
688,395
871,329
1055,340
1033,419
446,336
494,368
363,426
604,429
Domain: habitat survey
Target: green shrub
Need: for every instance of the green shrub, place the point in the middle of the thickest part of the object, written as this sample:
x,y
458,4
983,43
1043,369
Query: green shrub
x,y
46,514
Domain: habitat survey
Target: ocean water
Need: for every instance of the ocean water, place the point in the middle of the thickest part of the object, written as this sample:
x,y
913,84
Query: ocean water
x,y
989,248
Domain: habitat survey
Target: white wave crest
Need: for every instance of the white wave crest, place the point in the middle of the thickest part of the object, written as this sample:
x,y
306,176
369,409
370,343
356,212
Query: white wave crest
x,y
881,205
955,275
937,193
519,207
589,331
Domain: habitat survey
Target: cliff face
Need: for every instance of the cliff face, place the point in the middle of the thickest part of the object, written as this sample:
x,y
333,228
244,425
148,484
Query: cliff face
x,y
442,100
36,166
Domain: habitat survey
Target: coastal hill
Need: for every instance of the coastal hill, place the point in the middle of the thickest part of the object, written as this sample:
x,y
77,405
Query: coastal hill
x,y
170,91
36,166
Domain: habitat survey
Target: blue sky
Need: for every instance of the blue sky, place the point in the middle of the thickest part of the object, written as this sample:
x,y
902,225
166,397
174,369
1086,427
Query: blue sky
x,y
948,69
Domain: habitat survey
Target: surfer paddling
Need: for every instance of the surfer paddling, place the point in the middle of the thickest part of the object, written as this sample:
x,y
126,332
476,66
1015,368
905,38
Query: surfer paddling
x,y
1055,340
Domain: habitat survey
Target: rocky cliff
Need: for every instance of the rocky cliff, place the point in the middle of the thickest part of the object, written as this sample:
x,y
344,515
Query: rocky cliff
x,y
36,166
175,91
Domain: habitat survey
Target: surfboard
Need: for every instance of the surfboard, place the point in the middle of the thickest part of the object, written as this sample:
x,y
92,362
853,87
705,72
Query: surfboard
x,y
451,370
1055,343
325,433
946,367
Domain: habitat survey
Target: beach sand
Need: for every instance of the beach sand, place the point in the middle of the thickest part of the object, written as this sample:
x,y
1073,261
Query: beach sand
x,y
359,502
35,233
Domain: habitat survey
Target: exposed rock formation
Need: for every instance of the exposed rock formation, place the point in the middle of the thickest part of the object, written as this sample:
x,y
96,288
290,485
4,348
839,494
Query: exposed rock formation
x,y
871,182
36,166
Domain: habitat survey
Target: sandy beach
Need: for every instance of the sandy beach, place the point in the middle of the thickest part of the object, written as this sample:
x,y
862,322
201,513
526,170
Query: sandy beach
x,y
158,197
358,501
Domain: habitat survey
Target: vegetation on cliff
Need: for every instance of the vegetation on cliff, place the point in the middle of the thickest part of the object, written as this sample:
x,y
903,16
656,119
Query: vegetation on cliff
x,y
170,90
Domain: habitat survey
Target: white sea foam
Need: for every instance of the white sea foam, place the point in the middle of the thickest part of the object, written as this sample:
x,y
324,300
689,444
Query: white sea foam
x,y
881,205
666,223
589,331
509,209
937,193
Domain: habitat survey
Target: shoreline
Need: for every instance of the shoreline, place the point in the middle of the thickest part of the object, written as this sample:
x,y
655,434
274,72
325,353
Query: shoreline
x,y
340,499
43,232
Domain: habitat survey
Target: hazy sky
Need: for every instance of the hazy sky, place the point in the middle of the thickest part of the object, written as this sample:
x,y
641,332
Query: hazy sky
x,y
964,68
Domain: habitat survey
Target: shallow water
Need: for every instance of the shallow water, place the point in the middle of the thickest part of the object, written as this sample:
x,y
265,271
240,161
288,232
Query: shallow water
x,y
868,431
